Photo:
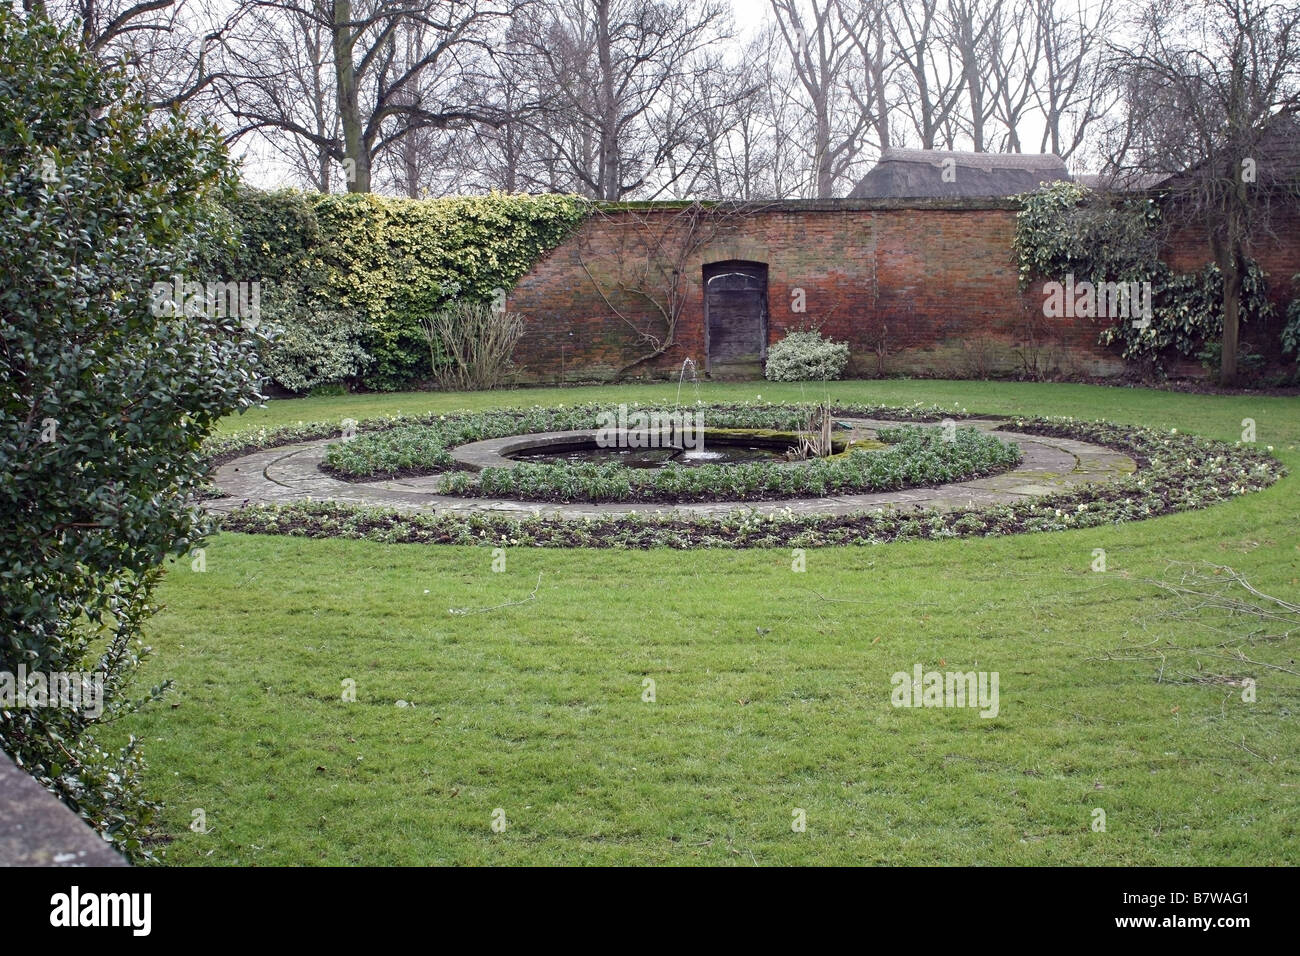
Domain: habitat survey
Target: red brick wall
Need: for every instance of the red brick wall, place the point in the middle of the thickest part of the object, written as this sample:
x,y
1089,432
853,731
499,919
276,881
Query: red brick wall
x,y
934,280
1278,253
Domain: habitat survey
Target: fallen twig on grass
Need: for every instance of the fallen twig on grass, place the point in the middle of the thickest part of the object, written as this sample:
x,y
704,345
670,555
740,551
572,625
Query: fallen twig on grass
x,y
1202,587
1208,596
480,610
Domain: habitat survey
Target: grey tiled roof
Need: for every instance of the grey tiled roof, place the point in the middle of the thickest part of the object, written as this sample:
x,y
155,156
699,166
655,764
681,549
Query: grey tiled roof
x,y
917,173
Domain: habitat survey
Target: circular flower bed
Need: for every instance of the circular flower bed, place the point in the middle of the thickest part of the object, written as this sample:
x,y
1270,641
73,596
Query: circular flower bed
x,y
914,457
408,447
476,426
1176,472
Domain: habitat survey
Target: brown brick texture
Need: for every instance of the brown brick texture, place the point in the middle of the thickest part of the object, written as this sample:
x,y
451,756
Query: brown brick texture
x,y
913,290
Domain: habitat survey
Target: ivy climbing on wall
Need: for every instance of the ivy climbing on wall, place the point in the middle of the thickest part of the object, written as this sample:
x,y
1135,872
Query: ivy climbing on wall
x,y
362,272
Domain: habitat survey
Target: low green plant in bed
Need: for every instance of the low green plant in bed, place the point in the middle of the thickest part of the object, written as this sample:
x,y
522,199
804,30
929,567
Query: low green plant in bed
x,y
403,447
1177,472
915,457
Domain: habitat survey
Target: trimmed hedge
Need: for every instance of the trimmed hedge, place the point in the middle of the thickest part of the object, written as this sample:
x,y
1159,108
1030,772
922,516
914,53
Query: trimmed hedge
x,y
389,262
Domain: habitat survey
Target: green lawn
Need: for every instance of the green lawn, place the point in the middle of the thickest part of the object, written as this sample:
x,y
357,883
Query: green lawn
x,y
772,687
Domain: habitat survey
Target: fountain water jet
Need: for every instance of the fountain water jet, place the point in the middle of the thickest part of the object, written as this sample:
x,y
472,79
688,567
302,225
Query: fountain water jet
x,y
695,380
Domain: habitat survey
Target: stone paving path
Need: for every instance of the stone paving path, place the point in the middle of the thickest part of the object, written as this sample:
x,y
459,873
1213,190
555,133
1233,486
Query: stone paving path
x,y
292,473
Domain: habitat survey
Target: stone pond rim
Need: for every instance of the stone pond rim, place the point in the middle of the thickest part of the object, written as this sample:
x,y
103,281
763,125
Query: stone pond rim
x,y
500,452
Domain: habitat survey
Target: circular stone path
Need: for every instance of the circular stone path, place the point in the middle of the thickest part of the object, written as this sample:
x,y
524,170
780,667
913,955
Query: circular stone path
x,y
292,473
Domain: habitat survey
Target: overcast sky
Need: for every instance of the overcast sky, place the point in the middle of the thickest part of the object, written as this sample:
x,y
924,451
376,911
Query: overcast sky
x,y
264,168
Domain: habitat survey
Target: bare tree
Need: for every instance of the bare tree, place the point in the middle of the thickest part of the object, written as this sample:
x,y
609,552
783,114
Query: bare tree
x,y
871,37
513,156
279,65
421,158
170,46
1212,90
105,23
738,129
931,84
617,98
397,67
617,71
784,120
1014,59
969,28
1075,90
822,39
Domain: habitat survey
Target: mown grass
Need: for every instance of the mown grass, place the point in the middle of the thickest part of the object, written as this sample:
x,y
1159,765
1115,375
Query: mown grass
x,y
772,687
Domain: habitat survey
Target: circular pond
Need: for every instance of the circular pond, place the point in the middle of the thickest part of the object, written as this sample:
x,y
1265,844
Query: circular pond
x,y
715,451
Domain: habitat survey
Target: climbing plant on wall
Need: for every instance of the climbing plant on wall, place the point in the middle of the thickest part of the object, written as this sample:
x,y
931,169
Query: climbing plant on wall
x,y
1065,229
390,263
644,276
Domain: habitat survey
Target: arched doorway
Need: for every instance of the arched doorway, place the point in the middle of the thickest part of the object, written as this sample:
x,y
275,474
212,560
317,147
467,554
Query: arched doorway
x,y
735,317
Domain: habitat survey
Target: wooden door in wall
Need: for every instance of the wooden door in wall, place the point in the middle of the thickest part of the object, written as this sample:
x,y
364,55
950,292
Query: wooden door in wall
x,y
735,318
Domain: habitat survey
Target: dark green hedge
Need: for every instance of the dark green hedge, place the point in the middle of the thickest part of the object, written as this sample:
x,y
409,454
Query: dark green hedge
x,y
391,262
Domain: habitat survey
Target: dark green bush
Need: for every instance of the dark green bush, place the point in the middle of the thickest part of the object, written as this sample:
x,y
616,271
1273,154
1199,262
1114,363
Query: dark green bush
x,y
392,263
105,400
309,346
1063,228
1291,331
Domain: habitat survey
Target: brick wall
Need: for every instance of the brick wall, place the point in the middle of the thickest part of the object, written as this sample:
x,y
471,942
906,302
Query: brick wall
x,y
923,287
1278,253
1187,250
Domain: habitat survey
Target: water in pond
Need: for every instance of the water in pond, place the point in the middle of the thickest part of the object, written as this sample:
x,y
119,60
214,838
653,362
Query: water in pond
x,y
713,453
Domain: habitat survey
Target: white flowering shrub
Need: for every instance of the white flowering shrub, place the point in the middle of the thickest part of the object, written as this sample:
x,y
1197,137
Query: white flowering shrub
x,y
806,357
311,347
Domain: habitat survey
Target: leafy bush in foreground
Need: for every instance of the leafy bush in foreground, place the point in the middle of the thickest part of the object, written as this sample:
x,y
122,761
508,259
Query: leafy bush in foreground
x,y
104,403
1291,330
